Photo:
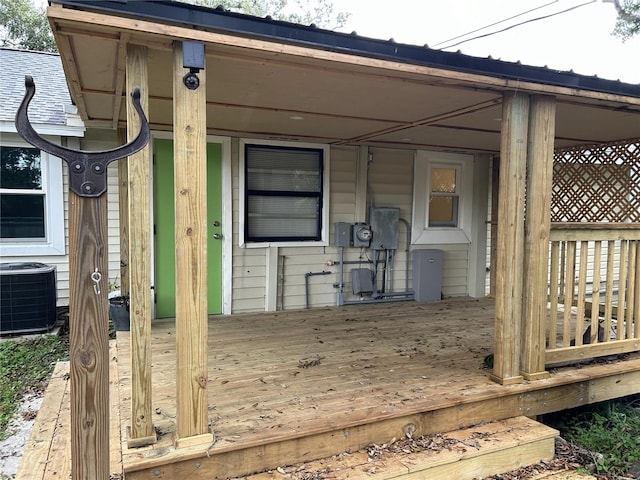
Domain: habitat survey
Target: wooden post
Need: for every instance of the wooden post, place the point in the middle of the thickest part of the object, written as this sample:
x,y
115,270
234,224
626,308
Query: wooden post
x,y
190,177
537,230
88,336
141,431
510,244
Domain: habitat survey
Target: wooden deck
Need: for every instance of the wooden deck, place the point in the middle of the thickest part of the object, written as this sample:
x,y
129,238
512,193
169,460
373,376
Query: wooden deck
x,y
288,387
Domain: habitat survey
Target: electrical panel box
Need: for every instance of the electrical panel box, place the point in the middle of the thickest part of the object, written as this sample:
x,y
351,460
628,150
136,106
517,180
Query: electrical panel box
x,y
385,228
342,234
361,281
361,235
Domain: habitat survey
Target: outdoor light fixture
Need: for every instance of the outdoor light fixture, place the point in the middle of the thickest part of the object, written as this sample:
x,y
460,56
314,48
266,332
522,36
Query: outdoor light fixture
x,y
193,59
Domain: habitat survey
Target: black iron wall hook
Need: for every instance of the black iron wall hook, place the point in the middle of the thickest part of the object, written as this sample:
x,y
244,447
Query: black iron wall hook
x,y
87,170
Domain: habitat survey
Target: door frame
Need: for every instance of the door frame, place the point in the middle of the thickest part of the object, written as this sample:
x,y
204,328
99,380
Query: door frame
x,y
227,215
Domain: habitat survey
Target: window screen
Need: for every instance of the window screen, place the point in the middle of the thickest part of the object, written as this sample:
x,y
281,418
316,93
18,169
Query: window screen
x,y
283,193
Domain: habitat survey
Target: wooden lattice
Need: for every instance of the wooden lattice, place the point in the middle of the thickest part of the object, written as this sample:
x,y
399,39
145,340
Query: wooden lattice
x,y
598,183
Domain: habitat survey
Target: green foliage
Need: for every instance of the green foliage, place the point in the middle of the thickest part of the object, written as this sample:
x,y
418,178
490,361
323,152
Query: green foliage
x,y
26,366
610,428
24,26
306,12
628,23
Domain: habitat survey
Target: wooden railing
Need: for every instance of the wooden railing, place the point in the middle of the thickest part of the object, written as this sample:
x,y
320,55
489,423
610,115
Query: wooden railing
x,y
594,291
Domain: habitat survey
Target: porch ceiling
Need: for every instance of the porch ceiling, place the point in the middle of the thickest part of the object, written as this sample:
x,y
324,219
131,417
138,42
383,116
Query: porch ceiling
x,y
258,88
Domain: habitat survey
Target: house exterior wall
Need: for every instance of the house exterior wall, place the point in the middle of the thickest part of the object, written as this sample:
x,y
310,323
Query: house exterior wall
x,y
259,282
257,278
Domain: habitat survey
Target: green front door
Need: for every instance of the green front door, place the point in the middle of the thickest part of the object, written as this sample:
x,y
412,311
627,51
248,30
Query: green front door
x,y
165,258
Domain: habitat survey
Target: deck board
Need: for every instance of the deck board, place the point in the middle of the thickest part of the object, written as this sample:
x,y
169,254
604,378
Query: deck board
x,y
373,360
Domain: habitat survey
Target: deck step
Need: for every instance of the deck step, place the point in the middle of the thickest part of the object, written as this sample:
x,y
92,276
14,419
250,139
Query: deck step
x,y
475,452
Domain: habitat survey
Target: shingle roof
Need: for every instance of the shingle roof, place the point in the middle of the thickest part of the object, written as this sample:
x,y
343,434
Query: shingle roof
x,y
52,93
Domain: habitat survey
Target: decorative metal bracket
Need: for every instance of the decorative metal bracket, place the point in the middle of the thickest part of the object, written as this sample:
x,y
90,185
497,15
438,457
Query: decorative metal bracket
x,y
87,170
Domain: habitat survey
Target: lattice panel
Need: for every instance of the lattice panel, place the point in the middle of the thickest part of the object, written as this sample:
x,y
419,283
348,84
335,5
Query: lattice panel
x,y
597,184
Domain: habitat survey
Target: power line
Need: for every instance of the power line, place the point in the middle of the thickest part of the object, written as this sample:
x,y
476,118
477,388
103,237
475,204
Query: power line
x,y
519,24
495,23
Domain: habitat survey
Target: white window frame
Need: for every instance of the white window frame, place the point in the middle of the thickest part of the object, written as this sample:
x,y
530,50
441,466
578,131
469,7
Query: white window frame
x,y
422,233
325,194
52,188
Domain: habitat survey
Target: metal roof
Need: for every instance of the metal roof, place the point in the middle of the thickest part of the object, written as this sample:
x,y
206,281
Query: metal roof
x,y
218,19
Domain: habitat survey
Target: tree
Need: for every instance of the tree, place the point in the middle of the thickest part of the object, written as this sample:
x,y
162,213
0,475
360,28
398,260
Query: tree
x,y
628,23
306,12
24,26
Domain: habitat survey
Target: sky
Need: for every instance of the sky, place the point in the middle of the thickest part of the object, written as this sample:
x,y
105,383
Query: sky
x,y
578,40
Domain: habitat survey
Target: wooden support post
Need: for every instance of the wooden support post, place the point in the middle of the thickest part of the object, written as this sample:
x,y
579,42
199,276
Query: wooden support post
x,y
190,180
537,230
88,336
141,431
510,255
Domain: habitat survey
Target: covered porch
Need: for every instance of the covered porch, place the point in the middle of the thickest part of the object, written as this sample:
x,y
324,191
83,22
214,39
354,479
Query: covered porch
x,y
255,391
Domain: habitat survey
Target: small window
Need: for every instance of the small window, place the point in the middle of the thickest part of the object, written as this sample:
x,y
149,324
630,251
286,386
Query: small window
x,y
444,197
22,196
283,193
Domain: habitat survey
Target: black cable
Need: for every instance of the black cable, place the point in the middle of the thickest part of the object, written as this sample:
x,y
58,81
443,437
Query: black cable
x,y
518,24
494,23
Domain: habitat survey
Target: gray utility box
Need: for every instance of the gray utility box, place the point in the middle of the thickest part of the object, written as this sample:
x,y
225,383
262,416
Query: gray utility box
x,y
362,281
342,234
427,275
384,225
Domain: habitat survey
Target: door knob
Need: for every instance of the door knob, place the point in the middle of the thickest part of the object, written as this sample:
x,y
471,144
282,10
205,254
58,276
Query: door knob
x,y
216,223
217,236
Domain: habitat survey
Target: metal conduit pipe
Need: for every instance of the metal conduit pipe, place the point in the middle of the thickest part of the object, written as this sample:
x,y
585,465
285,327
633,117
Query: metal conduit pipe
x,y
282,257
306,284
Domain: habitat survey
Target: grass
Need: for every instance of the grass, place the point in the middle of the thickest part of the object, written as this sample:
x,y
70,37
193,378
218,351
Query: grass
x,y
25,366
611,429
